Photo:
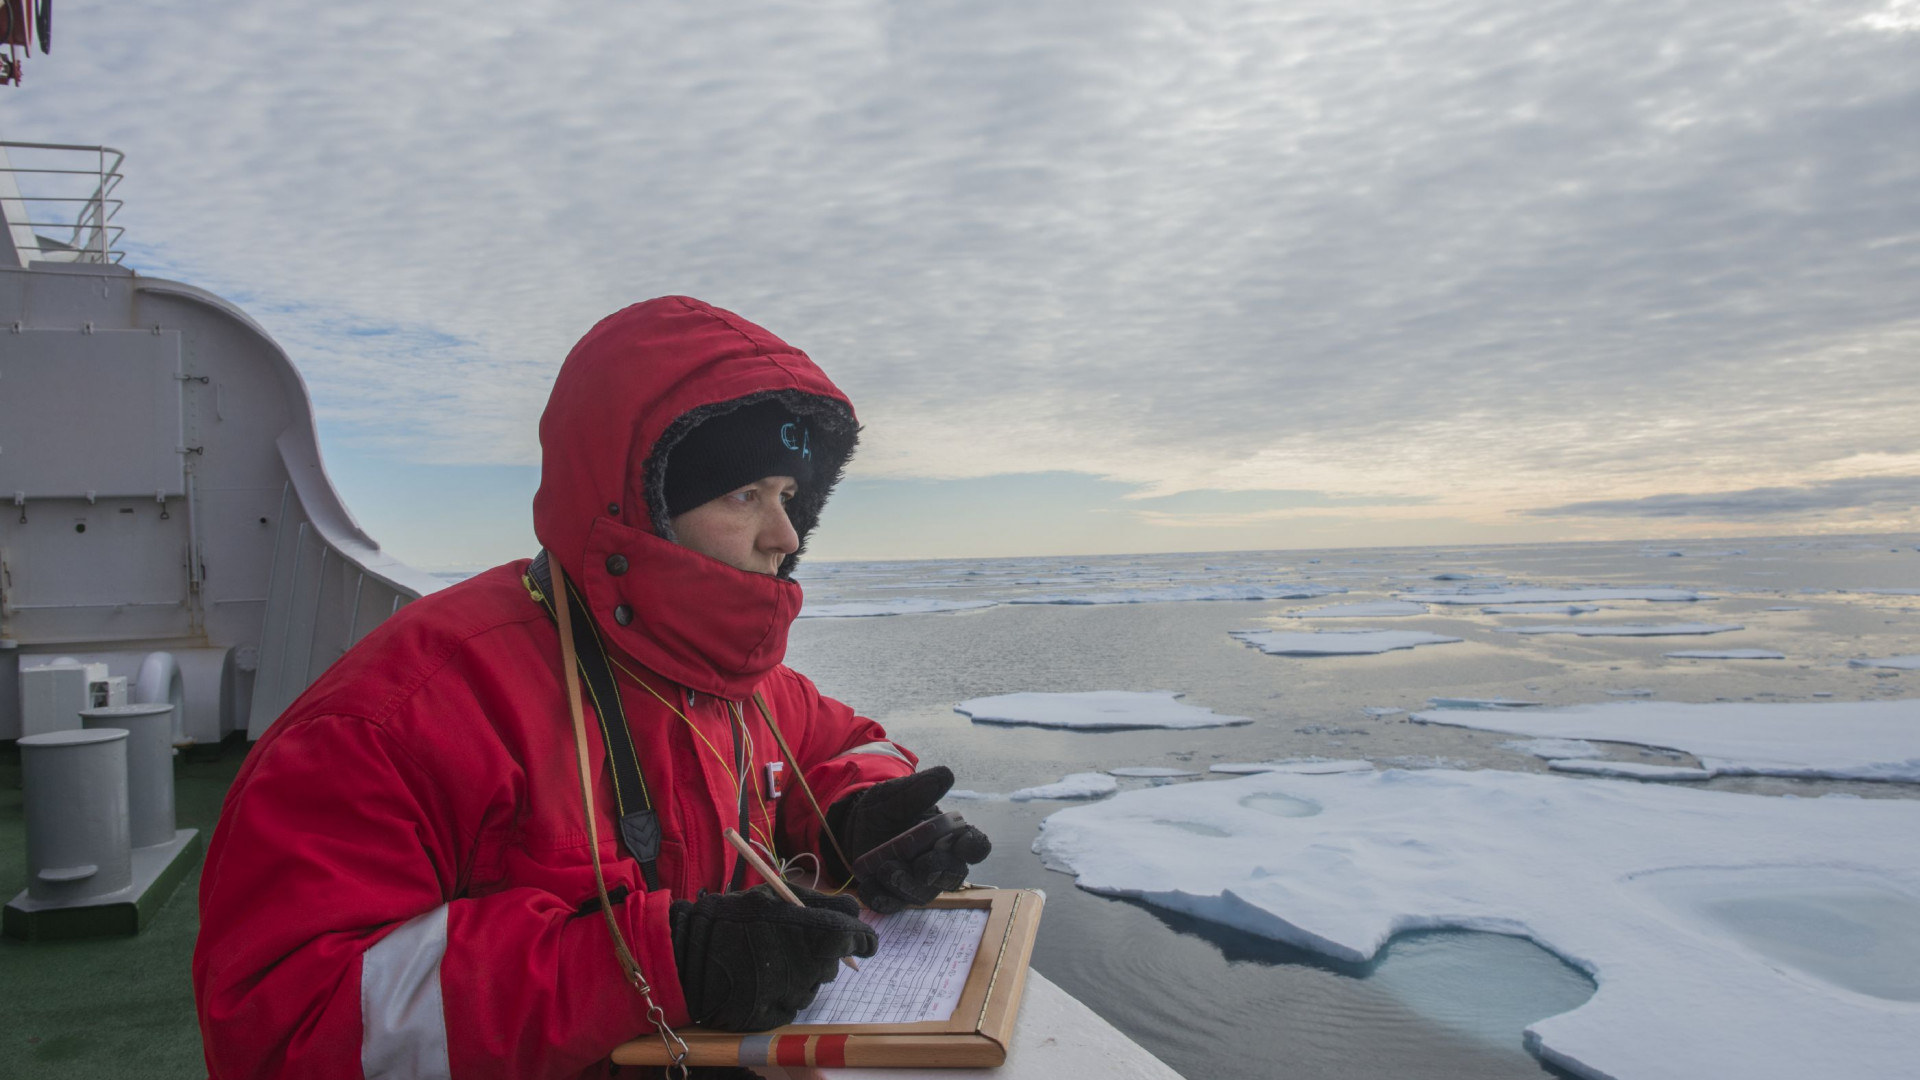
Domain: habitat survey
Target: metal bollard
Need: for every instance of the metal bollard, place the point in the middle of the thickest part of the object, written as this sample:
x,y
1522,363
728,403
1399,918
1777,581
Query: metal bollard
x,y
149,730
75,783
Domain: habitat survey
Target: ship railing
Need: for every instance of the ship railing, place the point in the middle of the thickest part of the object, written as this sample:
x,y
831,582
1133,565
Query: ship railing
x,y
56,198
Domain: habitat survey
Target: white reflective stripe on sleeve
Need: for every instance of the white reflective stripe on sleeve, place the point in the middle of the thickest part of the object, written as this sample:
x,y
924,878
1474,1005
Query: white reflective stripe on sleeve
x,y
885,748
403,1021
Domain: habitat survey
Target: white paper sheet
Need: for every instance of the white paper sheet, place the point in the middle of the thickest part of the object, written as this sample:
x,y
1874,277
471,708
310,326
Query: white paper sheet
x,y
918,974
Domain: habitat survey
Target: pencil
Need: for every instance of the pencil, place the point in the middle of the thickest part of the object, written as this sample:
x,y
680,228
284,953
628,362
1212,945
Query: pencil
x,y
779,885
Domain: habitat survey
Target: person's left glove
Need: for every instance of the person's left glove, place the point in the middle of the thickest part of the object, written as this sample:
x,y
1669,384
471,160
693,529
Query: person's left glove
x,y
872,816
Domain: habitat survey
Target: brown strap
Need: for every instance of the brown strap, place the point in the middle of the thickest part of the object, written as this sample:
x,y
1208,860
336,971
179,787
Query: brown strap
x,y
570,663
800,774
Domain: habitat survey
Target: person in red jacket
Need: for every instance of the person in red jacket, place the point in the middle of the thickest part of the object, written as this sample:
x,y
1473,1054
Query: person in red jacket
x,y
402,884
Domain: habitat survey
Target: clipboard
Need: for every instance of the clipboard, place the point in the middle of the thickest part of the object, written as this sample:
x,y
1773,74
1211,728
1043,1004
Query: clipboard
x,y
975,1036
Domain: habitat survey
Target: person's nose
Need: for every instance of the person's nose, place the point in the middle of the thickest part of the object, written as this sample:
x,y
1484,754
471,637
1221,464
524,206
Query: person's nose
x,y
777,533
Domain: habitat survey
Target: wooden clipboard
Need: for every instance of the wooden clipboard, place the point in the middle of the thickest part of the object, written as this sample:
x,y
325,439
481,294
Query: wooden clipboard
x,y
976,1036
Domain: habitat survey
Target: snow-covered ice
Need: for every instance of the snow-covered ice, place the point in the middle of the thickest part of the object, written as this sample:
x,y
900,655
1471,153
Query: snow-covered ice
x,y
1549,596
1903,663
1625,629
1731,935
1184,593
1479,703
1095,710
1152,771
1298,766
1850,740
1372,609
1552,749
1631,691
1337,642
1540,609
1381,710
1631,770
1727,654
1080,785
905,605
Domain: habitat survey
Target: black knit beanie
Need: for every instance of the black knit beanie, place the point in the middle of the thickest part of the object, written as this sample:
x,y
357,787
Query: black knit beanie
x,y
734,449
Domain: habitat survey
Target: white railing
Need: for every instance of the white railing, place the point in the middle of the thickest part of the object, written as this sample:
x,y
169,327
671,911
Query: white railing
x,y
50,194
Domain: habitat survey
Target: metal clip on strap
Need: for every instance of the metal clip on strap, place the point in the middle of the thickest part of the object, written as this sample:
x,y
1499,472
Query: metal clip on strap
x,y
639,825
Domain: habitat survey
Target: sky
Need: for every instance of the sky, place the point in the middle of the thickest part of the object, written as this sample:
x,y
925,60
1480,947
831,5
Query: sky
x,y
1098,278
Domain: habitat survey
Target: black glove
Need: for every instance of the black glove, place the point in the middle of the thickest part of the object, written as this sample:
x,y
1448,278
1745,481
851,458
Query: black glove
x,y
749,960
870,817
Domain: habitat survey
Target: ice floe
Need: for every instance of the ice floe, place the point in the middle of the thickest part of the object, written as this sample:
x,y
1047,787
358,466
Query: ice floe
x,y
1080,785
1312,766
1381,710
1479,703
1371,609
1156,772
1549,596
1540,609
1095,710
1337,642
1631,691
1852,740
1184,593
905,605
1552,749
1625,629
1631,770
1903,663
1726,654
1731,935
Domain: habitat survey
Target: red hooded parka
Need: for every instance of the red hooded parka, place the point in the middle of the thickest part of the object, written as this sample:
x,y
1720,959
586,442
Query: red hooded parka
x,y
400,881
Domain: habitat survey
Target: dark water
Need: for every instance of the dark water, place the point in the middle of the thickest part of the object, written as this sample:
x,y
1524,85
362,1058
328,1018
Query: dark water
x,y
1217,1002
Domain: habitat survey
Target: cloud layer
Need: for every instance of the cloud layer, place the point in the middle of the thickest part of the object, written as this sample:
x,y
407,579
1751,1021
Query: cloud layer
x,y
1484,251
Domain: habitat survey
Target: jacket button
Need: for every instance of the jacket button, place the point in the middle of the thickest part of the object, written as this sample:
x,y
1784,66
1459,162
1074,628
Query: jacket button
x,y
613,509
623,614
616,565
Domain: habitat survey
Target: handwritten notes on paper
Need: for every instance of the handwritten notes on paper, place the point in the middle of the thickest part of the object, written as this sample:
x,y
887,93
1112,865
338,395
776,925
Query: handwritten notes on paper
x,y
918,974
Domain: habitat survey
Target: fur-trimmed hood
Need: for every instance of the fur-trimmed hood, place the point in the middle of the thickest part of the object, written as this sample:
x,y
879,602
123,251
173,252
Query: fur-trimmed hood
x,y
629,391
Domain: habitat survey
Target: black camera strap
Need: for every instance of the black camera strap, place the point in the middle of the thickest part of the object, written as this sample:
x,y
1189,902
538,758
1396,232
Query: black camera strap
x,y
639,825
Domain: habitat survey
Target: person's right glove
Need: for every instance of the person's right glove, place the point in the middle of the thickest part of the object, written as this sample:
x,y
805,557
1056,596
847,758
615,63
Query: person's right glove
x,y
750,961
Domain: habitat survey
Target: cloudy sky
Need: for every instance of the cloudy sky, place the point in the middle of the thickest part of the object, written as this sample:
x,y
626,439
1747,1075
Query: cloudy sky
x,y
1099,277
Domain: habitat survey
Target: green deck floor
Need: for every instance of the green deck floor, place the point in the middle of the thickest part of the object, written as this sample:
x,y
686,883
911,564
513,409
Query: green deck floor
x,y
115,1007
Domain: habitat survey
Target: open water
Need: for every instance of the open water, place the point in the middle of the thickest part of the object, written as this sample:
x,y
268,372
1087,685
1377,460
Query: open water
x,y
1214,1002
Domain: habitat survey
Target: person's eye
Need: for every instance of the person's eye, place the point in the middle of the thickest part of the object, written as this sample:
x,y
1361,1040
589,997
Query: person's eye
x,y
744,495
787,497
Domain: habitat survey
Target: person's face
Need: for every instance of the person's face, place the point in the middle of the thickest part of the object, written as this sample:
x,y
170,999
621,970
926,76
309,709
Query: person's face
x,y
747,528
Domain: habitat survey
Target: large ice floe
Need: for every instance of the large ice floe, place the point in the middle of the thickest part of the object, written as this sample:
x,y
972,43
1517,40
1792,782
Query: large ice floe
x,y
1730,935
1337,642
1625,629
1726,654
1842,740
1184,593
1548,596
1370,609
1540,609
1095,710
905,605
1902,663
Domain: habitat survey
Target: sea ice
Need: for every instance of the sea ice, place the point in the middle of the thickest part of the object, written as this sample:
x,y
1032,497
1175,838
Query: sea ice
x,y
1381,710
1631,770
1297,766
1154,771
1904,663
1095,710
1727,654
1632,691
1785,607
1080,785
1337,642
1479,703
1372,609
1540,609
1186,593
905,605
1889,592
1851,740
1625,629
1549,596
1552,749
1731,935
